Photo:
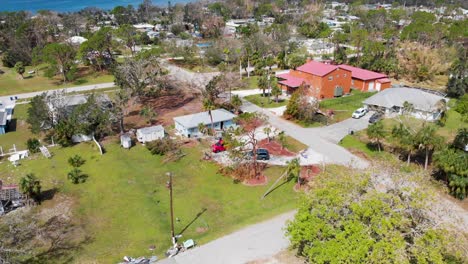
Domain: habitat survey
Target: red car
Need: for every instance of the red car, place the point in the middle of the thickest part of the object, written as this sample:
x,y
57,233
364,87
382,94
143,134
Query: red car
x,y
218,146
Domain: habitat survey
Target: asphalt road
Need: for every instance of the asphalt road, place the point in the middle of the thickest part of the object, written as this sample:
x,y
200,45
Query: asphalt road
x,y
84,88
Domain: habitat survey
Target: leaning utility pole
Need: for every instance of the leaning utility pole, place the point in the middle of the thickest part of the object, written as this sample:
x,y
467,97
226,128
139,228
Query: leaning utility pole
x,y
169,185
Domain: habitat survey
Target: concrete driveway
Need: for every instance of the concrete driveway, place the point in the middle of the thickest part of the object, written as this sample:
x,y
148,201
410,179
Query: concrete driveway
x,y
257,241
322,141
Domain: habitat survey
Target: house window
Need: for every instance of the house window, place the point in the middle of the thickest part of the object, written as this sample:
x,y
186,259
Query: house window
x,y
330,78
337,76
344,75
352,82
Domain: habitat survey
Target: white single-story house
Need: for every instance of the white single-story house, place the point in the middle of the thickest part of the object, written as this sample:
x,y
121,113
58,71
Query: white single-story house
x,y
188,125
147,134
69,102
426,105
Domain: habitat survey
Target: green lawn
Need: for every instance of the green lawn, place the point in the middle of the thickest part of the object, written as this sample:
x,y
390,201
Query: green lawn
x,y
20,133
124,204
354,144
12,83
265,102
344,107
294,145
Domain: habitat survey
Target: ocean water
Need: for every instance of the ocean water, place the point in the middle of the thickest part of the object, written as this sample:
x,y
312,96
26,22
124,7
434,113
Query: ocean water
x,y
73,5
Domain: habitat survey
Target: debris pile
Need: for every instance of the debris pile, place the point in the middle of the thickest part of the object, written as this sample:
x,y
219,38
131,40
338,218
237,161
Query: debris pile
x,y
10,198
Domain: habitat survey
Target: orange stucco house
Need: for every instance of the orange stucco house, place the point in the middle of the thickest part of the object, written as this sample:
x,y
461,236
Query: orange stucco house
x,y
327,81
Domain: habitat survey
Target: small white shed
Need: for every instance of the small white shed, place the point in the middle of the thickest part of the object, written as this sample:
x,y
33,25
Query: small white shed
x,y
147,134
126,141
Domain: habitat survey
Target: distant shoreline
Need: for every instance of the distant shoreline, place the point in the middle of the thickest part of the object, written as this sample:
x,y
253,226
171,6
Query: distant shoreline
x,y
64,6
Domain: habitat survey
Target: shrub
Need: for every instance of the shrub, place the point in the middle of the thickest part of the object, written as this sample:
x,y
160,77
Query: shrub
x,y
76,161
77,176
33,145
162,146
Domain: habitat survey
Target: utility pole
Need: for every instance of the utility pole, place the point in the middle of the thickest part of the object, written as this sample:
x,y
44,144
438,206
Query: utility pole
x,y
169,185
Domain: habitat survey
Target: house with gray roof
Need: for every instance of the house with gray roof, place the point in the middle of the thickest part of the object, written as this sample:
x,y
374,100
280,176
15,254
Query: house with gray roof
x,y
188,125
425,105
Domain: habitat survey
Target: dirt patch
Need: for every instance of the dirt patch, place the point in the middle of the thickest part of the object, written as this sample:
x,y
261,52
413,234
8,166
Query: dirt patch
x,y
275,148
259,181
201,230
166,107
307,174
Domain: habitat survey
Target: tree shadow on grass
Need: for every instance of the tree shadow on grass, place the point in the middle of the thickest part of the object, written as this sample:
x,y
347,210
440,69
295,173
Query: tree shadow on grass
x,y
48,194
277,187
193,220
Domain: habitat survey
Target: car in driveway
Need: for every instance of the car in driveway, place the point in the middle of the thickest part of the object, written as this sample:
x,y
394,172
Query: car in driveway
x,y
262,154
360,112
375,117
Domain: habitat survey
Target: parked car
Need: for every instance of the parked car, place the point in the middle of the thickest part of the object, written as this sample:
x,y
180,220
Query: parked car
x,y
359,112
375,117
218,146
262,154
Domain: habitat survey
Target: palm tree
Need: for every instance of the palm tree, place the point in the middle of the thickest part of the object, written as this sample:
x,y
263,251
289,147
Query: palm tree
x,y
276,91
293,170
236,102
76,176
263,83
405,139
376,132
30,186
267,131
209,106
427,139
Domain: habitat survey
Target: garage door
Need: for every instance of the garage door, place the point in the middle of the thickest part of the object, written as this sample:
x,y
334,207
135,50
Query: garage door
x,y
371,86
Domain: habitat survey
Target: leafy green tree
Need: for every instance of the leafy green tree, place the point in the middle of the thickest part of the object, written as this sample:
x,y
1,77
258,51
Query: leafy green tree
x,y
263,83
236,102
129,36
349,218
61,59
427,139
315,29
33,145
292,108
267,131
30,186
20,69
461,139
420,28
97,51
376,132
454,164
39,117
457,85
276,92
462,107
296,60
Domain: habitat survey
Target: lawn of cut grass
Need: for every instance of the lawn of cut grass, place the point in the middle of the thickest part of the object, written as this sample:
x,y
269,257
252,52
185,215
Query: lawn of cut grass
x,y
344,107
124,203
354,144
11,83
18,132
294,145
250,83
265,102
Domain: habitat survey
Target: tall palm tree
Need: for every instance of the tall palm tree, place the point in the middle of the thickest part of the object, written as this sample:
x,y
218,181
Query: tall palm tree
x,y
30,186
376,132
209,106
236,102
428,140
405,139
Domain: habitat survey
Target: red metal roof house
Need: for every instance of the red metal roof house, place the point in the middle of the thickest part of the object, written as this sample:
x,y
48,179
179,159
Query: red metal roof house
x,y
327,81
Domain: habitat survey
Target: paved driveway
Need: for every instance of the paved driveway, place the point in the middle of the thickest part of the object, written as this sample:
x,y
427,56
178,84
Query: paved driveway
x,y
321,141
257,241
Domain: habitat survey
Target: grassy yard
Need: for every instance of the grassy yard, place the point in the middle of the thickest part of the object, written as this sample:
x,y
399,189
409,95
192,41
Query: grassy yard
x,y
124,203
354,144
294,145
343,107
19,132
265,102
12,83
